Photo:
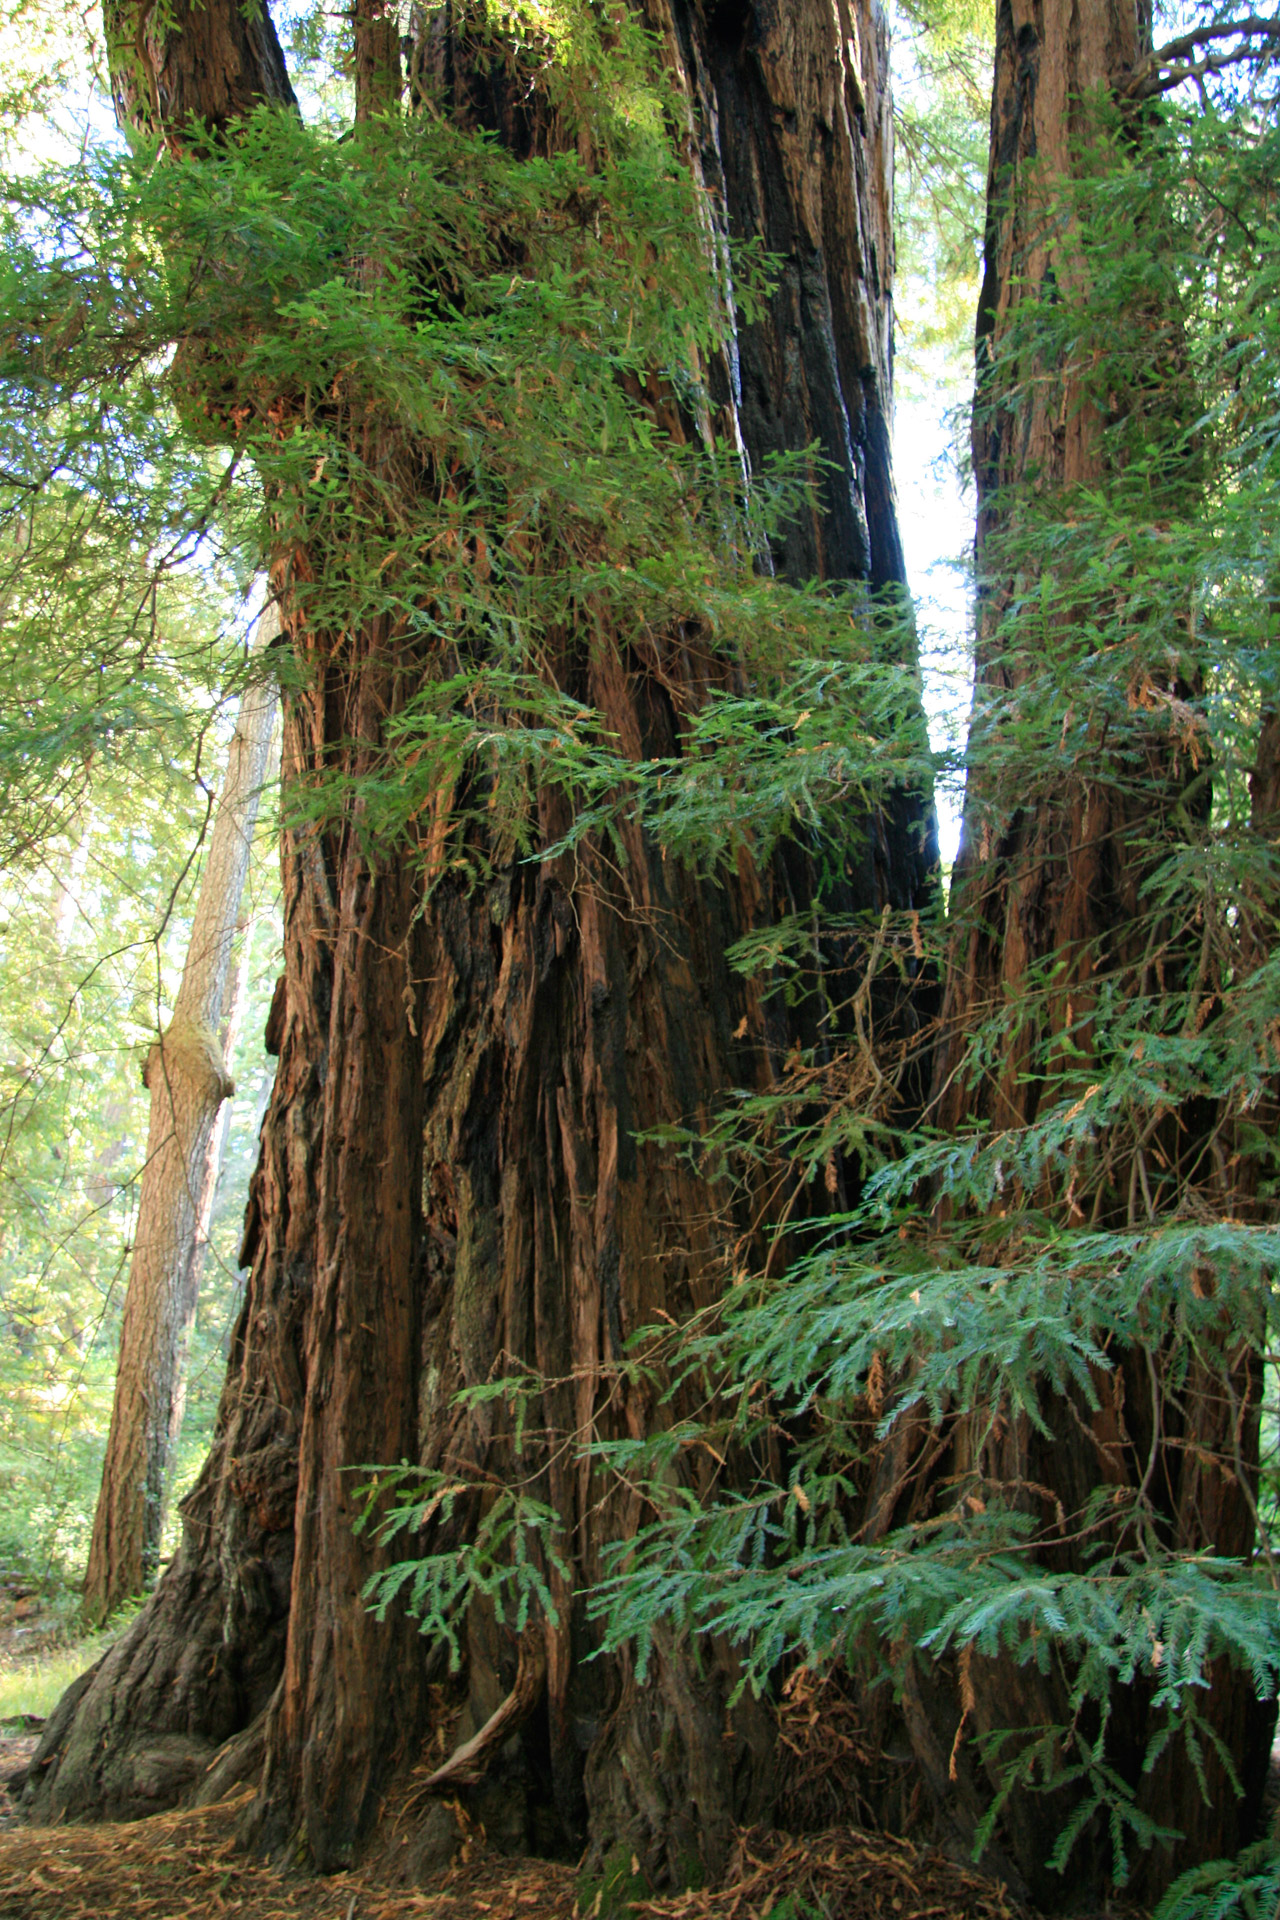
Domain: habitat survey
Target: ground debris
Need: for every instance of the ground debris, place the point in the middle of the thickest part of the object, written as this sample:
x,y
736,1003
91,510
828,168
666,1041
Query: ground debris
x,y
173,1866
185,1866
15,1756
843,1873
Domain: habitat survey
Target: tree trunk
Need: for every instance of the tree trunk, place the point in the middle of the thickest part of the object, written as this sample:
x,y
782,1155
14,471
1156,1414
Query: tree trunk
x,y
192,66
1051,874
207,1190
188,1082
455,1181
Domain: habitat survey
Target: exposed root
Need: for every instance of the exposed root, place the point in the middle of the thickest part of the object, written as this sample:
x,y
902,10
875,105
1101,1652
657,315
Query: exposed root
x,y
466,1764
238,1760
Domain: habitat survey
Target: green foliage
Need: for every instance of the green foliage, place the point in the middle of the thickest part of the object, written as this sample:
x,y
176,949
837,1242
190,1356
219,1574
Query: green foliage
x,y
425,378
616,1890
428,379
93,932
122,649
502,1555
51,56
548,512
943,54
32,1683
1249,1886
203,365
492,1537
1012,1278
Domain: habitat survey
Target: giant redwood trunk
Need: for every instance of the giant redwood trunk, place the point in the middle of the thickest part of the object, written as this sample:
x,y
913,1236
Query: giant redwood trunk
x,y
1045,873
455,1181
1047,913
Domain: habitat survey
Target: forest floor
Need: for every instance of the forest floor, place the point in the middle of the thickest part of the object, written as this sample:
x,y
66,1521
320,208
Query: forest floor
x,y
185,1866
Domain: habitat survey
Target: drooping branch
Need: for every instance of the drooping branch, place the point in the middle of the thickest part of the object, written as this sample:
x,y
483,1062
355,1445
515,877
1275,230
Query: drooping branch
x,y
460,1159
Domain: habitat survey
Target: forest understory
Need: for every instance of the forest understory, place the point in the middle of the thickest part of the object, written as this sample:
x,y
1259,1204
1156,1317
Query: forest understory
x,y
430,1857
184,1866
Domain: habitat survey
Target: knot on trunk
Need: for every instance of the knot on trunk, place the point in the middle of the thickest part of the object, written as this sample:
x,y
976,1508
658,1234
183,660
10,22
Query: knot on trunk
x,y
193,1052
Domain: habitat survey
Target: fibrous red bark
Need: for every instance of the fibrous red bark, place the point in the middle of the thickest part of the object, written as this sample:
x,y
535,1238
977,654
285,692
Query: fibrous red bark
x,y
1048,902
454,1177
187,65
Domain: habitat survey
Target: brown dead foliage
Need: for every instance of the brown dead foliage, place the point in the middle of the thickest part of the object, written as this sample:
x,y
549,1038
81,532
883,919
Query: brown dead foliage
x,y
834,1764
185,1866
15,1754
842,1874
173,1866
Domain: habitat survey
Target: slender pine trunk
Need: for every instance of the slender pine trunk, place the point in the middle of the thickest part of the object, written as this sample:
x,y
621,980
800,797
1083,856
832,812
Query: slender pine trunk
x,y
187,1077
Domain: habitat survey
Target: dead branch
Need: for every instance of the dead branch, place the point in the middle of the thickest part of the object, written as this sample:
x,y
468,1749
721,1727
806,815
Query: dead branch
x,y
1170,65
466,1764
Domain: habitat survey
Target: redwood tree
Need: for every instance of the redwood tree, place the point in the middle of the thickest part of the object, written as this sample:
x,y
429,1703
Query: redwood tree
x,y
1022,1385
1065,897
460,1175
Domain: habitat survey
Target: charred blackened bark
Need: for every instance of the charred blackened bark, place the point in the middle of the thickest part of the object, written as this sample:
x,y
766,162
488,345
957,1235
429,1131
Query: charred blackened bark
x,y
458,1177
792,133
790,129
581,1011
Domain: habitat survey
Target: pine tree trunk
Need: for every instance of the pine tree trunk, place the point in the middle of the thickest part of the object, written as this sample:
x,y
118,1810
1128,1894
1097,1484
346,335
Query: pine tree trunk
x,y
188,1081
233,1006
454,1179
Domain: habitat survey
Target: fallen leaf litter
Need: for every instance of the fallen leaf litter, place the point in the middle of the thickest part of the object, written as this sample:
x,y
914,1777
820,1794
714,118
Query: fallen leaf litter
x,y
185,1866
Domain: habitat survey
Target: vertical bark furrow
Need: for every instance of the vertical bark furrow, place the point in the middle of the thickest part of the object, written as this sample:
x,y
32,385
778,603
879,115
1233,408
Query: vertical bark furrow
x,y
189,65
454,1179
793,129
350,1685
